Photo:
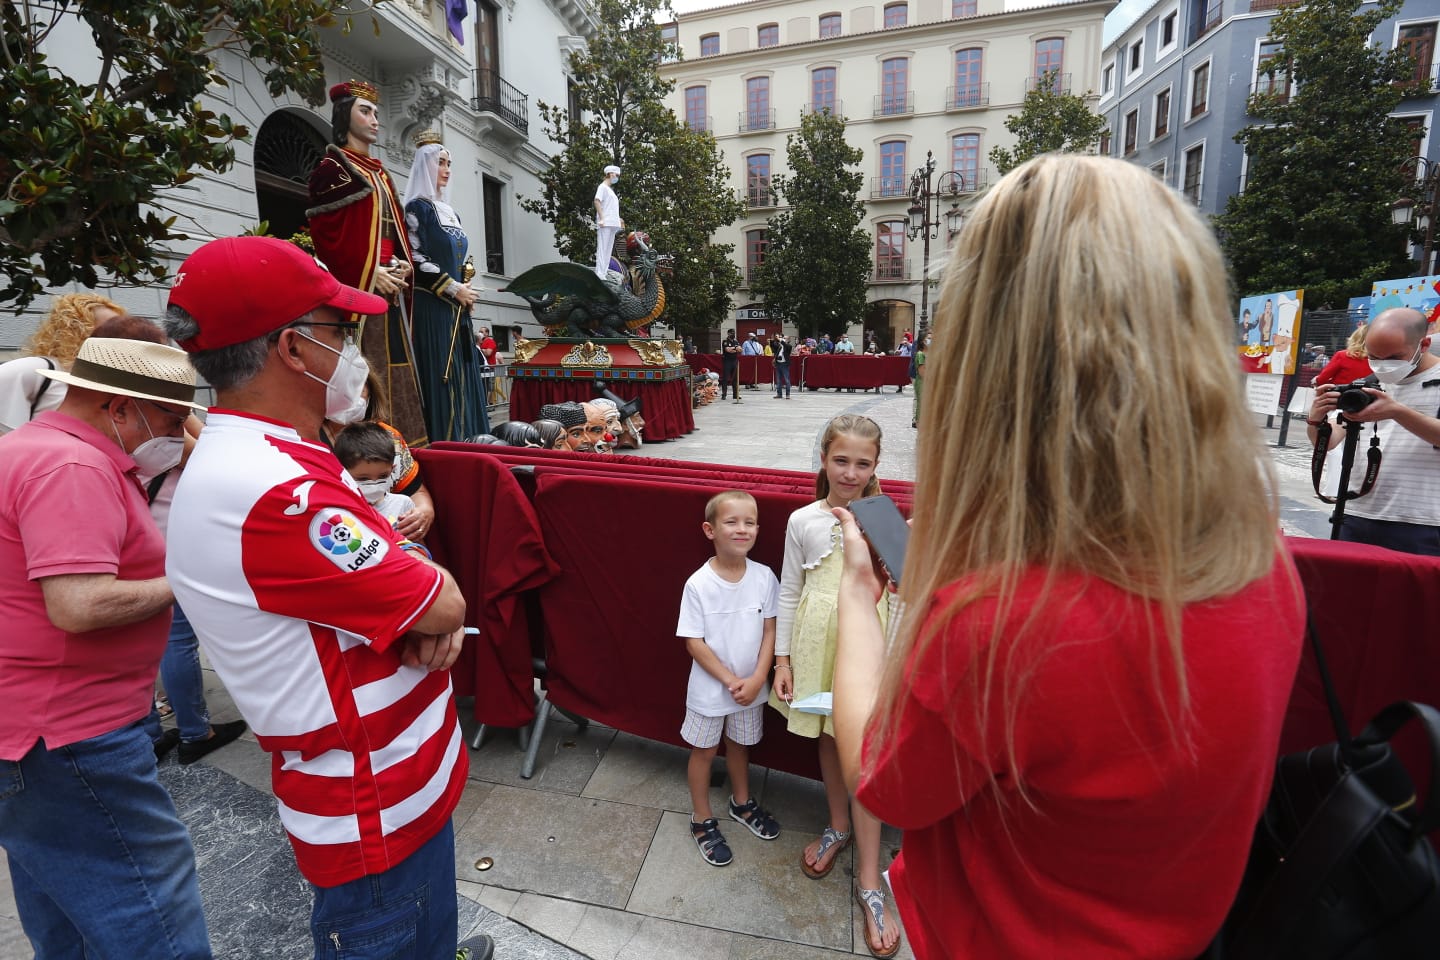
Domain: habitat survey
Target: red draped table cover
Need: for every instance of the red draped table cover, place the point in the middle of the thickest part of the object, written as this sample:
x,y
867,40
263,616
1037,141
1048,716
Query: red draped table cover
x,y
669,412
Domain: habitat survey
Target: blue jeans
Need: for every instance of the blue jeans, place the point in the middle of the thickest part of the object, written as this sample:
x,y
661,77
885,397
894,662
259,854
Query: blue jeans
x,y
184,683
782,379
102,865
409,911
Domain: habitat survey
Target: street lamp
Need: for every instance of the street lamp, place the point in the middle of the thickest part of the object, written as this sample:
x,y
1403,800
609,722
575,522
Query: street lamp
x,y
1427,183
925,201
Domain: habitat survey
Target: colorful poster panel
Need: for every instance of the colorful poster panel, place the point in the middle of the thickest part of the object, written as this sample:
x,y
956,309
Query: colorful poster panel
x,y
1268,332
1422,293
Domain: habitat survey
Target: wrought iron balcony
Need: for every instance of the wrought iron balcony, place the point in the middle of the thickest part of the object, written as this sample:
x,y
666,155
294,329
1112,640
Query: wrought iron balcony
x,y
755,120
757,195
895,104
891,270
700,124
1057,83
893,187
967,97
835,108
494,95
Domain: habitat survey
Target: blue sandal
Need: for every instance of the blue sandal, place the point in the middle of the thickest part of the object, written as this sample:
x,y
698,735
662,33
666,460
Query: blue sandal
x,y
755,818
830,840
712,846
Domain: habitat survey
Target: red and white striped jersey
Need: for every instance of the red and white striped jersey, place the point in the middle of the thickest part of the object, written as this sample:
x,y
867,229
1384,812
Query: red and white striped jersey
x,y
298,592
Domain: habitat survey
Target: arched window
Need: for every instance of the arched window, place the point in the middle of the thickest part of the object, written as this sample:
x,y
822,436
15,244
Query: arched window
x,y
896,14
892,168
710,45
287,148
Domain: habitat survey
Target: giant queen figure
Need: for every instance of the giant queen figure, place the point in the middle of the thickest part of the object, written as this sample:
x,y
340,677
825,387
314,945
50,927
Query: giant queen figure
x,y
359,233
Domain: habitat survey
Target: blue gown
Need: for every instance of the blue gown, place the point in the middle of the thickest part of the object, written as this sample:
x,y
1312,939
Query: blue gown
x,y
443,338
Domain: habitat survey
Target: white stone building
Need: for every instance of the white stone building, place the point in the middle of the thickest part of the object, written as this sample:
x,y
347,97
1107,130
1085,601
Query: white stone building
x,y
482,97
911,77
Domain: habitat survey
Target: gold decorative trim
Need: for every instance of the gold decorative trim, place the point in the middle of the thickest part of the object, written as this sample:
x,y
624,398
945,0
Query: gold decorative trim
x,y
587,354
658,353
526,351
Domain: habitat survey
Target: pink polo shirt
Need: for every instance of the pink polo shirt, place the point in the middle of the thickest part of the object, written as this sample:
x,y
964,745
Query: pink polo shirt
x,y
70,504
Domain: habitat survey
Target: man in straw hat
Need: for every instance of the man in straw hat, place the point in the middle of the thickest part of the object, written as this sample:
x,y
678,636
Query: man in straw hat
x,y
101,864
334,642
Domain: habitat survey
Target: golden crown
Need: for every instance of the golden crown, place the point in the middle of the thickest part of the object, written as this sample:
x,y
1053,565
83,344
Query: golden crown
x,y
355,88
425,137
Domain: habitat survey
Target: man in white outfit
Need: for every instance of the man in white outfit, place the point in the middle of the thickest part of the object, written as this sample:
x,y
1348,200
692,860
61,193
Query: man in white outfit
x,y
607,220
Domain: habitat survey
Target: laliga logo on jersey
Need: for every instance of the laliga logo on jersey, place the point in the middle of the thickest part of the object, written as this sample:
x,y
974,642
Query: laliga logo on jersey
x,y
345,541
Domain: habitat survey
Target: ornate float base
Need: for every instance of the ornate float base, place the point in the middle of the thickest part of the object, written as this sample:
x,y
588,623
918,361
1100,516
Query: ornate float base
x,y
556,369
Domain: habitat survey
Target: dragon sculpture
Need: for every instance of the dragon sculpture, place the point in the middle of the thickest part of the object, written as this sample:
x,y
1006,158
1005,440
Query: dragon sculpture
x,y
570,301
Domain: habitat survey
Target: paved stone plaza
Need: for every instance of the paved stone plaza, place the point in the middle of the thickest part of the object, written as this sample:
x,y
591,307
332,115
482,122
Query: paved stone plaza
x,y
591,857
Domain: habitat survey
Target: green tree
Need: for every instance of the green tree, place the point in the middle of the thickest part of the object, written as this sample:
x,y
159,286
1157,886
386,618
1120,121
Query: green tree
x,y
1049,121
84,164
674,185
1325,163
817,255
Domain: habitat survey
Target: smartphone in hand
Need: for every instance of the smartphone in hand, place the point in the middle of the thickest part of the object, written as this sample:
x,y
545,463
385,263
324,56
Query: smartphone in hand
x,y
885,529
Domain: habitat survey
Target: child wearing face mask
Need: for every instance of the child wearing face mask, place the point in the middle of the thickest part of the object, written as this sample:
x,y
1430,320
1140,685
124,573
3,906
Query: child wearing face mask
x,y
367,453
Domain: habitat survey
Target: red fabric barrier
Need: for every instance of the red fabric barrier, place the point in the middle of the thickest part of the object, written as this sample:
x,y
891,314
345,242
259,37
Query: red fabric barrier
x,y
668,412
1375,612
866,373
611,650
487,535
817,370
753,369
719,476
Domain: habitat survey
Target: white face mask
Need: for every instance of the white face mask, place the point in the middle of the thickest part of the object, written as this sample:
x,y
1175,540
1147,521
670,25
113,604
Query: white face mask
x,y
344,399
374,490
154,456
1393,371
614,179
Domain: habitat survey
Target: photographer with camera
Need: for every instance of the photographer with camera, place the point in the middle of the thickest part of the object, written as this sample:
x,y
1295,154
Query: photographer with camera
x,y
1402,512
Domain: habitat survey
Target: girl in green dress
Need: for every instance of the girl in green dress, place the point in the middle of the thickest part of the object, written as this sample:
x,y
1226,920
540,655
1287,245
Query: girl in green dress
x,y
805,656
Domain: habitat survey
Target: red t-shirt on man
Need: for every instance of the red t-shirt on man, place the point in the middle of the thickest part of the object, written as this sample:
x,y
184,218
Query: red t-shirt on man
x,y
1136,844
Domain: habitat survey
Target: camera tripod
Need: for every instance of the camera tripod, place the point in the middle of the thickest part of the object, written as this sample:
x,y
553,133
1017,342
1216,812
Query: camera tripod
x,y
1347,464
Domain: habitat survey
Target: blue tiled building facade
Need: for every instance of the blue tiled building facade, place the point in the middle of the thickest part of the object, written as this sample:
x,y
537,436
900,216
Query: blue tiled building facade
x,y
1174,87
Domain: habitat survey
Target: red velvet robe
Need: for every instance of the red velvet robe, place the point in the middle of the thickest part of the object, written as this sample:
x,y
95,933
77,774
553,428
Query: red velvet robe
x,y
346,193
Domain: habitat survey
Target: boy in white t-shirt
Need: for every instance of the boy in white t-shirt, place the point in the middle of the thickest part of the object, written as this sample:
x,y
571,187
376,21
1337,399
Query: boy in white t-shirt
x,y
727,619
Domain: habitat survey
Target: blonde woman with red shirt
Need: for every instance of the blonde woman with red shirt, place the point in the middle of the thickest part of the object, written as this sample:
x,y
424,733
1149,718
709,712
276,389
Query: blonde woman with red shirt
x,y
1348,365
1076,715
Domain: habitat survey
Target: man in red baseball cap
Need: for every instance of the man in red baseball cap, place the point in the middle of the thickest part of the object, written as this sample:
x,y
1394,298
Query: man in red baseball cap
x,y
333,639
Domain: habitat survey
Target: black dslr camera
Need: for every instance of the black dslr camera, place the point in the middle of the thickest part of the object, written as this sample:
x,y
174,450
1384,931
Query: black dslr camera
x,y
1353,397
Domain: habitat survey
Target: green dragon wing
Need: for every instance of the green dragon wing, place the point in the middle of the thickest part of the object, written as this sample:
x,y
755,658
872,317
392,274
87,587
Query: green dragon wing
x,y
562,279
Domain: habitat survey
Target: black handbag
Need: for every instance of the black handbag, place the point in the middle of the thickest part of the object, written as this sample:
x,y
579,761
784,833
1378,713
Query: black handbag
x,y
1340,867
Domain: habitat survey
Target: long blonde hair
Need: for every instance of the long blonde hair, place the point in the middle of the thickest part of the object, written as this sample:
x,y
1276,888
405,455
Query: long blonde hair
x,y
69,323
1355,346
849,425
1083,414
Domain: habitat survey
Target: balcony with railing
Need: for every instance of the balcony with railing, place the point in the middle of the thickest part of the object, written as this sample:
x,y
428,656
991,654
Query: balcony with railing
x,y
891,270
1270,89
1054,82
496,97
700,124
973,181
895,187
757,195
835,108
754,121
968,97
895,104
